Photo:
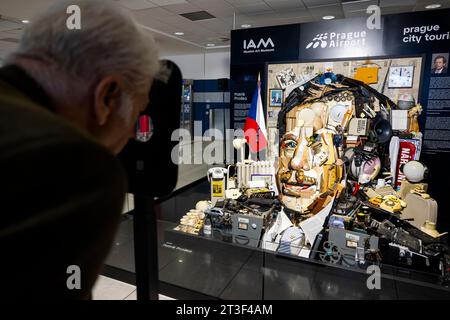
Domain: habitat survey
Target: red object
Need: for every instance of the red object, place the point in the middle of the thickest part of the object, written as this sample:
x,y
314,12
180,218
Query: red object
x,y
255,139
407,153
255,131
144,124
357,186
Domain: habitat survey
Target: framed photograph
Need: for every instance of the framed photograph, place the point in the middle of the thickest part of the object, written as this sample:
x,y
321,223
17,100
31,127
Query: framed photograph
x,y
286,78
401,77
276,97
440,63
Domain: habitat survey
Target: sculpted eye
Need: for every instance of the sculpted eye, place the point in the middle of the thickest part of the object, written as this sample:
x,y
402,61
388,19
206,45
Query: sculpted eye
x,y
290,144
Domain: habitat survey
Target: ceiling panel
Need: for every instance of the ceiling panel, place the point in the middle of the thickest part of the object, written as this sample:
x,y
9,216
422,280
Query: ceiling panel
x,y
397,3
355,13
154,13
167,2
175,19
289,14
304,19
23,9
358,5
136,4
8,25
4,34
156,24
396,9
320,11
214,6
163,15
285,4
314,3
217,26
254,8
238,3
17,32
182,8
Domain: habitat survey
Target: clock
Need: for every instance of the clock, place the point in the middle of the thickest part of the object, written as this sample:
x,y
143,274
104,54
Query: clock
x,y
401,77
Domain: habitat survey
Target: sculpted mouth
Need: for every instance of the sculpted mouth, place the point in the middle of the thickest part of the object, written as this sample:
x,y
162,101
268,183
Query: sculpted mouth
x,y
295,187
294,190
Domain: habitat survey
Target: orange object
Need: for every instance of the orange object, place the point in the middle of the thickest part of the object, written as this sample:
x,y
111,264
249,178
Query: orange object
x,y
368,75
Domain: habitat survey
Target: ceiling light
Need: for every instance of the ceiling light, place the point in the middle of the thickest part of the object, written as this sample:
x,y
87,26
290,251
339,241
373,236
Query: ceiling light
x,y
328,17
210,45
179,33
433,6
25,21
246,26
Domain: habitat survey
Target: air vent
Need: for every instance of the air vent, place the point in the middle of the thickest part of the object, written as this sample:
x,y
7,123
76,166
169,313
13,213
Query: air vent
x,y
196,16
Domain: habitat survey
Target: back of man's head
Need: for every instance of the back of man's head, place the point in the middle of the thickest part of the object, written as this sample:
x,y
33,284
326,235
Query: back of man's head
x,y
108,41
108,57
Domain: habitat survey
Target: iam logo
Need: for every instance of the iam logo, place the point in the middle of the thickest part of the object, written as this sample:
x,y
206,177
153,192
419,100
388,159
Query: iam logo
x,y
319,39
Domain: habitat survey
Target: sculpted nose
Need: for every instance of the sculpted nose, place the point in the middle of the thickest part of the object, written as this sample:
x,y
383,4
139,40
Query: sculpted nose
x,y
297,161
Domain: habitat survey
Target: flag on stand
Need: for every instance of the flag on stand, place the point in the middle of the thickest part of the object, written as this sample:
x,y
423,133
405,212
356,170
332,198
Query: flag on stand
x,y
255,131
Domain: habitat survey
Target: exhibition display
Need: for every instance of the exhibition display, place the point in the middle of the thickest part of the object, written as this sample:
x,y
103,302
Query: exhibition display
x,y
335,193
343,178
340,164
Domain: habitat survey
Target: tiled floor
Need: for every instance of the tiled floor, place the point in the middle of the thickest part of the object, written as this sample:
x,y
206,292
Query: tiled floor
x,y
110,289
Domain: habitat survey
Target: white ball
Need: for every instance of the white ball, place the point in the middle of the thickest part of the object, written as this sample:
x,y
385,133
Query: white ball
x,y
414,171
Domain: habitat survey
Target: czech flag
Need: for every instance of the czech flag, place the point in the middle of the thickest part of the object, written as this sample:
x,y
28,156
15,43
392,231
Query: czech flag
x,y
255,131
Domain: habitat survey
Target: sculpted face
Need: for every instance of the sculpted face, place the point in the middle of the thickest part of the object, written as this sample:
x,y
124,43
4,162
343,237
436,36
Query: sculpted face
x,y
294,173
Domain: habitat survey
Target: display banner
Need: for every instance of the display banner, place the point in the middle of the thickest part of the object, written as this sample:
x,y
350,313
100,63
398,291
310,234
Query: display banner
x,y
260,45
243,87
426,33
340,39
416,32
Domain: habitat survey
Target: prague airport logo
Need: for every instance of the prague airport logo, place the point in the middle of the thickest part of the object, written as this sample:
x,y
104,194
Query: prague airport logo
x,y
352,39
318,39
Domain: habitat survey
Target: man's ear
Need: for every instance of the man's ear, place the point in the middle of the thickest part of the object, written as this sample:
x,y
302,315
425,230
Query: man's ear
x,y
107,98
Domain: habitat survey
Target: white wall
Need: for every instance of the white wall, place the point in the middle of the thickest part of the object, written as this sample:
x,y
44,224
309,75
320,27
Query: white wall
x,y
209,65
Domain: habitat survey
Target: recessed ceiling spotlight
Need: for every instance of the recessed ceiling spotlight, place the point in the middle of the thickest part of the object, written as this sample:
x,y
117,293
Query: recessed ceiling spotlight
x,y
328,17
179,33
433,6
246,26
210,45
25,21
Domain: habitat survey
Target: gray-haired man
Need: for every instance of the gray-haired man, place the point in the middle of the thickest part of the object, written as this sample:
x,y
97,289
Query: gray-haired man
x,y
69,100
